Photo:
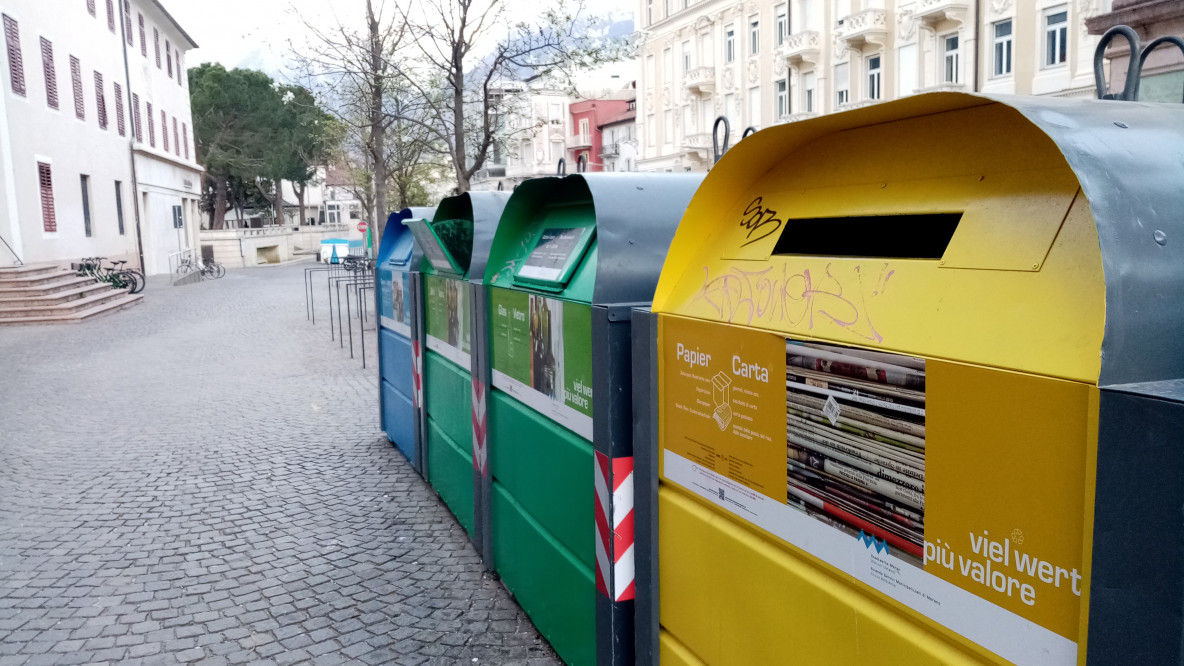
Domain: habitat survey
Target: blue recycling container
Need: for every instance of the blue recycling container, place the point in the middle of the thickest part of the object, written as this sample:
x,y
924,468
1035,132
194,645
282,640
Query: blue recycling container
x,y
395,332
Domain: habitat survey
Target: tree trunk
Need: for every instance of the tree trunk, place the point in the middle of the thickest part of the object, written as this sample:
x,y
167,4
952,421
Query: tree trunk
x,y
278,202
299,188
377,127
219,220
458,119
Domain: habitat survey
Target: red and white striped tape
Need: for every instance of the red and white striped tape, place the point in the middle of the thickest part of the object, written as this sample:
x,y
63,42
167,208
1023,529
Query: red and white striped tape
x,y
480,425
614,544
417,374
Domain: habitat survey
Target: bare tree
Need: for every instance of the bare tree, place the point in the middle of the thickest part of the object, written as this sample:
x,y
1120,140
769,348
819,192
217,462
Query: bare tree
x,y
356,67
465,114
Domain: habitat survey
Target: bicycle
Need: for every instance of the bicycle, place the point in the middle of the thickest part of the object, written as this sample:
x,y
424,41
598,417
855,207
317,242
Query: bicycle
x,y
115,275
212,270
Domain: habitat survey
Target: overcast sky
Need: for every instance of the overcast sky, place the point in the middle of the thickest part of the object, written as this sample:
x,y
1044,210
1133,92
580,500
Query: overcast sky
x,y
256,33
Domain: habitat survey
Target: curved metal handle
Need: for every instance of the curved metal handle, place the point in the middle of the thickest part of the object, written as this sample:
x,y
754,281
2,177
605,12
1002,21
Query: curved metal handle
x,y
1130,89
582,163
562,169
715,137
747,130
1167,39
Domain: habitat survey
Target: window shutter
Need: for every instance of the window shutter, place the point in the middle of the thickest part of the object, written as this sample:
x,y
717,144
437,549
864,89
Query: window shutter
x,y
168,53
127,21
51,75
143,38
16,67
151,125
111,15
48,219
136,126
179,70
90,7
185,138
176,141
100,102
156,40
119,121
164,130
76,78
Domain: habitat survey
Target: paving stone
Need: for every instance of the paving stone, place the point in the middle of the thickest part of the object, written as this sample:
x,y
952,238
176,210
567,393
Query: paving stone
x,y
201,479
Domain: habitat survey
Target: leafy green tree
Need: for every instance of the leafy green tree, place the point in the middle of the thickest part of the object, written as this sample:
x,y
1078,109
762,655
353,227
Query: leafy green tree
x,y
230,127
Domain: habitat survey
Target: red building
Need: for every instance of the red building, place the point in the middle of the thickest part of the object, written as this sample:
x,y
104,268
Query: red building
x,y
586,118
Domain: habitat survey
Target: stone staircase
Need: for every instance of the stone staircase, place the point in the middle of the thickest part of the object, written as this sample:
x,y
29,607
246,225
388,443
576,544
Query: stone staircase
x,y
49,294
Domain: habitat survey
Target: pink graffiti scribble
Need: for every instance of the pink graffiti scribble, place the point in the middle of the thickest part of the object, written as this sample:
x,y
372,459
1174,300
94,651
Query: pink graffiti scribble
x,y
777,296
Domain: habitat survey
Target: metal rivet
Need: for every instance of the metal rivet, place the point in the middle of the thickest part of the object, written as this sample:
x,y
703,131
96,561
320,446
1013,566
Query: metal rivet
x,y
1035,266
1120,124
1160,237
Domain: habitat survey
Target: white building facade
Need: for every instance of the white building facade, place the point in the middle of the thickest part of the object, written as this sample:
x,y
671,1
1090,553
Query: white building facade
x,y
96,146
764,62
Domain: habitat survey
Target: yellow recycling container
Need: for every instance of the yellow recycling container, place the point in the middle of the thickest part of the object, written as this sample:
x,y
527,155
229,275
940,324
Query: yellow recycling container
x,y
882,337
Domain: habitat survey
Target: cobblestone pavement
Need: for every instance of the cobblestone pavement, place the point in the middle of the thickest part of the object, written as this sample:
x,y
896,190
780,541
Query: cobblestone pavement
x,y
201,479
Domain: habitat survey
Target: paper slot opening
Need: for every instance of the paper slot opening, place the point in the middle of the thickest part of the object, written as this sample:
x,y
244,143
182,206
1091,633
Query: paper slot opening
x,y
912,236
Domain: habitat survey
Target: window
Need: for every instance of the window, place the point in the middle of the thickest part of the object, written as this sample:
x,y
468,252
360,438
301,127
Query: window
x,y
127,22
164,130
781,29
651,130
669,9
754,107
782,98
76,79
185,138
86,205
49,220
111,15
1056,33
842,84
730,112
156,45
950,55
686,57
119,123
143,38
730,44
649,11
168,53
16,67
584,126
873,77
1002,31
179,218
668,135
754,35
151,125
808,91
51,76
667,66
136,126
90,7
176,139
119,205
650,76
100,102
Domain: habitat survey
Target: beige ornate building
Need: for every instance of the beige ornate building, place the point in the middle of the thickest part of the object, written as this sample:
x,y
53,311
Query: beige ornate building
x,y
764,62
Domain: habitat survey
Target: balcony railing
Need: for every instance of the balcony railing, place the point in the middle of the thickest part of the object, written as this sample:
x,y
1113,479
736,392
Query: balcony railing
x,y
869,25
802,47
700,80
580,140
610,150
